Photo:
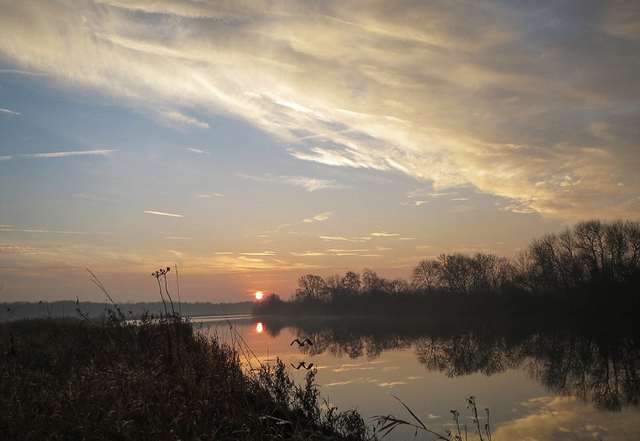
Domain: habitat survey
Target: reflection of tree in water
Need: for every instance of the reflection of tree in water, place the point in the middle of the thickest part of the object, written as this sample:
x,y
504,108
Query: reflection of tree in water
x,y
597,369
469,353
353,345
602,368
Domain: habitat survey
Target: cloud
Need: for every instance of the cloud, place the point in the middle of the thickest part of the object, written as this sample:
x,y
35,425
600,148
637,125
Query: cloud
x,y
59,154
318,218
308,254
309,184
185,119
43,231
95,198
22,72
10,112
384,234
533,104
212,195
160,213
413,203
345,239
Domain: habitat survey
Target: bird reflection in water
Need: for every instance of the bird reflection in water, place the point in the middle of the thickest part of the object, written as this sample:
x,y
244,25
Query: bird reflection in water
x,y
301,343
303,365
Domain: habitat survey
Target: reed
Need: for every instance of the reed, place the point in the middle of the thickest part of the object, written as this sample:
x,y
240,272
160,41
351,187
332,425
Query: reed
x,y
69,379
385,424
153,378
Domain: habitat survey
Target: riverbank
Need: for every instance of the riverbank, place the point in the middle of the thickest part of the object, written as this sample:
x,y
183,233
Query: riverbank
x,y
69,379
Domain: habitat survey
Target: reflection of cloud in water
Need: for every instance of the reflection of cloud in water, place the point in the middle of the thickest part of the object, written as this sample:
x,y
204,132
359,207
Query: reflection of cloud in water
x,y
556,418
347,369
391,383
352,367
340,383
389,368
355,380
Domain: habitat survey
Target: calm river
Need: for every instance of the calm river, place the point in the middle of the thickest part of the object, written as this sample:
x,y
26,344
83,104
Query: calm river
x,y
539,382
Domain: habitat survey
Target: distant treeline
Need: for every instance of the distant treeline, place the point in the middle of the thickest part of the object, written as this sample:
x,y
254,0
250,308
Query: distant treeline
x,y
93,310
593,268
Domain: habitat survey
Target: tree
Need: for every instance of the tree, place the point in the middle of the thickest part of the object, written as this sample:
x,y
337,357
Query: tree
x,y
427,275
334,287
456,272
371,282
311,288
351,283
595,256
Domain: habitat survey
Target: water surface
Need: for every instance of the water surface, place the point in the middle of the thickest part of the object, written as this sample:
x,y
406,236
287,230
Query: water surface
x,y
543,381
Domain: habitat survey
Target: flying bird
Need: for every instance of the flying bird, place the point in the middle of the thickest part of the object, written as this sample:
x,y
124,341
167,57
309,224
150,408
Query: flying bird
x,y
302,364
301,343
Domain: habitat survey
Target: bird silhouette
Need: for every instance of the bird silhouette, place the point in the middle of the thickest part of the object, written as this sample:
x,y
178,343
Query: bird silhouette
x,y
302,364
301,343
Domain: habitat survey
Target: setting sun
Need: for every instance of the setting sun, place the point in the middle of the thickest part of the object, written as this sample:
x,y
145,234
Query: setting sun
x,y
259,295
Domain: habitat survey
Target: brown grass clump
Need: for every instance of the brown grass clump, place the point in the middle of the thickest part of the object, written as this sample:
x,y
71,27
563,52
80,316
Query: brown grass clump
x,y
154,379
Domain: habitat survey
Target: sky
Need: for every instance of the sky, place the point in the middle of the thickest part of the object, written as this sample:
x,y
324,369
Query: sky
x,y
248,143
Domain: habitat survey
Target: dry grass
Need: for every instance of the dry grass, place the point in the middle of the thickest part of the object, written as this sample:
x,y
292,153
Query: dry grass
x,y
155,379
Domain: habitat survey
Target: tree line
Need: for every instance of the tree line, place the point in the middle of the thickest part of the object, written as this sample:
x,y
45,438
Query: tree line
x,y
594,266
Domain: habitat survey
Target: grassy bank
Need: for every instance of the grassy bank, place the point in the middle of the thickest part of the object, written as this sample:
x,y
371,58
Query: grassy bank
x,y
158,379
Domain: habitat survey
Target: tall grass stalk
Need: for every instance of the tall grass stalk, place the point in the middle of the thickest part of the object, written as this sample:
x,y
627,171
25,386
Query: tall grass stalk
x,y
154,378
385,424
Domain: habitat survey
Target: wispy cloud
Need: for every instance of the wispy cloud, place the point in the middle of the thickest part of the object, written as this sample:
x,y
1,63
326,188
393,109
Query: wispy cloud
x,y
413,203
318,218
59,154
94,198
44,231
337,252
481,96
384,234
308,254
345,239
211,195
184,119
309,184
10,112
160,213
23,72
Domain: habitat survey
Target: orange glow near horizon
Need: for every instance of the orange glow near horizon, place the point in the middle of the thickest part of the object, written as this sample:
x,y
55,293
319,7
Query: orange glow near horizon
x,y
259,295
